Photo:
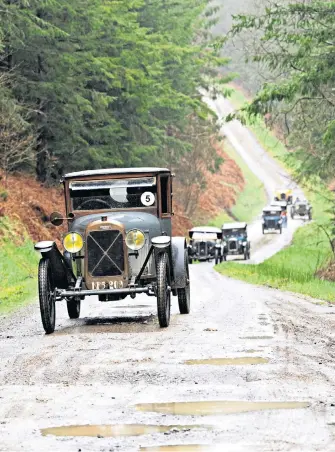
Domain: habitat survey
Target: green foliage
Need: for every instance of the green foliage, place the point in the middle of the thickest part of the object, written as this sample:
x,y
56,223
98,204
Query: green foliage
x,y
108,83
296,43
18,268
250,200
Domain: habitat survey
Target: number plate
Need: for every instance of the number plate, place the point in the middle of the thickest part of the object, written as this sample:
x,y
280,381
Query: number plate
x,y
102,285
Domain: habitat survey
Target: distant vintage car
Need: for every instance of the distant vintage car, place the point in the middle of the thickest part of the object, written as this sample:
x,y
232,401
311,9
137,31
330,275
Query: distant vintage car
x,y
301,209
118,244
203,240
283,206
284,194
272,219
235,240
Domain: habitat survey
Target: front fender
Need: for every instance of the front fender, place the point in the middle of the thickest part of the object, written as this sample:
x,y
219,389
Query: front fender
x,y
178,247
62,274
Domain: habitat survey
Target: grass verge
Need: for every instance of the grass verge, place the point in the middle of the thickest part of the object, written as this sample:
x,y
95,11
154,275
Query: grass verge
x,y
18,267
293,268
250,200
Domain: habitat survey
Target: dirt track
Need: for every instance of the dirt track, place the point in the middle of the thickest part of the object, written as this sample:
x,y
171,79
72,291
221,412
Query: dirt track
x,y
95,371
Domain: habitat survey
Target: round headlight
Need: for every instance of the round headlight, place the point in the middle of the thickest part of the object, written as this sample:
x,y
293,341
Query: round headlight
x,y
73,242
135,239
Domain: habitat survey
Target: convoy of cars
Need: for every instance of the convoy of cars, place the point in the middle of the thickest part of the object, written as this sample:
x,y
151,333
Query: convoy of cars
x,y
119,242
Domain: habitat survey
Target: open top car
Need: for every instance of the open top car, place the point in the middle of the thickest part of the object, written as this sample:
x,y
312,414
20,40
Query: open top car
x,y
118,243
235,240
284,194
272,219
203,240
302,209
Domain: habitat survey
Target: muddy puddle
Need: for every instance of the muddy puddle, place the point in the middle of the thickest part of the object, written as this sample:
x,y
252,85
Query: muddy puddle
x,y
184,448
114,431
136,324
217,407
228,361
257,337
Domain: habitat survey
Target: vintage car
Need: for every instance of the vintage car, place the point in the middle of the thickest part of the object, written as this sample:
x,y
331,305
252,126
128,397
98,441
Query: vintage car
x,y
301,209
284,194
235,240
272,219
118,244
283,206
203,240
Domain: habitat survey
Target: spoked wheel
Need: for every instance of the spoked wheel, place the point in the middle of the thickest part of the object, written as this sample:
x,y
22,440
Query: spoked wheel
x,y
184,296
163,290
46,296
73,307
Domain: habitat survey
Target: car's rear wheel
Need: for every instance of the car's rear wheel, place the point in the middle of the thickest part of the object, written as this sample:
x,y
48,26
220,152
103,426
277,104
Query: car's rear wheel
x,y
46,296
163,290
73,307
184,295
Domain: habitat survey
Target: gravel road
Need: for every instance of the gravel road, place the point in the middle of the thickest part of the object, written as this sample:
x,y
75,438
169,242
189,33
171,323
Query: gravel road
x,y
113,380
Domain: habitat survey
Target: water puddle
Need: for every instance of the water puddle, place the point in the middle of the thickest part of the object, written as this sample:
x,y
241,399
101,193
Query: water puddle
x,y
228,361
217,407
114,431
257,337
184,448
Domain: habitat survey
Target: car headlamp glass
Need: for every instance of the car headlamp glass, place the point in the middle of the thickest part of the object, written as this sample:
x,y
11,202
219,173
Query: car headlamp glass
x,y
73,242
135,239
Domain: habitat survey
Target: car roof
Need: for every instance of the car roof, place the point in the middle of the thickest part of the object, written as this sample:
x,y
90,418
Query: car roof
x,y
111,171
279,203
272,208
205,229
227,226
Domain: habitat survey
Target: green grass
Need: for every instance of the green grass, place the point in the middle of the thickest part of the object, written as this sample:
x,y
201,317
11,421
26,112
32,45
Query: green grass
x,y
250,200
293,268
18,268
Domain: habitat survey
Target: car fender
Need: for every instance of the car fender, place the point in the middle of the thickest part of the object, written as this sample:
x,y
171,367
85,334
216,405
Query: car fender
x,y
178,247
61,272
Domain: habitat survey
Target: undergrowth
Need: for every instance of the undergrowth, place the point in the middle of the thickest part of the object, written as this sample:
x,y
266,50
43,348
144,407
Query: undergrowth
x,y
18,266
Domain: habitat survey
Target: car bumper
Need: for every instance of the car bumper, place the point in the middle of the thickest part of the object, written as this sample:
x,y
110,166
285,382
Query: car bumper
x,y
82,293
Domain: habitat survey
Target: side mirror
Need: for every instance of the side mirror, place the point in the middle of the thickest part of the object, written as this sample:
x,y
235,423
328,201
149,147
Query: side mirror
x,y
56,218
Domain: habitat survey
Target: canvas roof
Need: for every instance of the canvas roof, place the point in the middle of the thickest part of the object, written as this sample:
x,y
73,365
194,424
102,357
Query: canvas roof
x,y
111,171
272,208
205,229
240,225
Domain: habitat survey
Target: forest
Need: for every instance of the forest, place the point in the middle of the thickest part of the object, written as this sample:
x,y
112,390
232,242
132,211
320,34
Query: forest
x,y
91,84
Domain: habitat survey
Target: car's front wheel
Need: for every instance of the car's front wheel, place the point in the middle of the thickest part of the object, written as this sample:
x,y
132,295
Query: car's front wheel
x,y
163,290
46,296
73,307
184,296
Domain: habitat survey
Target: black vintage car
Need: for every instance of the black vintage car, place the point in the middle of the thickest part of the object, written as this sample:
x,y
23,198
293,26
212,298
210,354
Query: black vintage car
x,y
235,240
301,209
118,244
272,219
202,243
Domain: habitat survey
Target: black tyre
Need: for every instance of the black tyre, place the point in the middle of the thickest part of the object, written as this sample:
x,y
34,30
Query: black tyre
x,y
163,290
73,307
217,256
46,296
184,296
190,260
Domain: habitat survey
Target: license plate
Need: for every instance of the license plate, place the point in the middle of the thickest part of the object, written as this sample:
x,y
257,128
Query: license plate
x,y
102,285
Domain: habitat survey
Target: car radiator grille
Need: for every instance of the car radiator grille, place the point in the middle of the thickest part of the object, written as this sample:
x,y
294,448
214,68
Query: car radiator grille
x,y
202,248
105,253
271,224
233,245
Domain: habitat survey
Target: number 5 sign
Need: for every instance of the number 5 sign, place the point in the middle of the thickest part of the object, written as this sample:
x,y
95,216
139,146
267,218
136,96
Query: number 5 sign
x,y
147,198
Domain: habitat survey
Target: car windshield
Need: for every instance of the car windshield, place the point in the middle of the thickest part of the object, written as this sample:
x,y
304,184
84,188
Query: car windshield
x,y
235,233
204,236
113,194
271,214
